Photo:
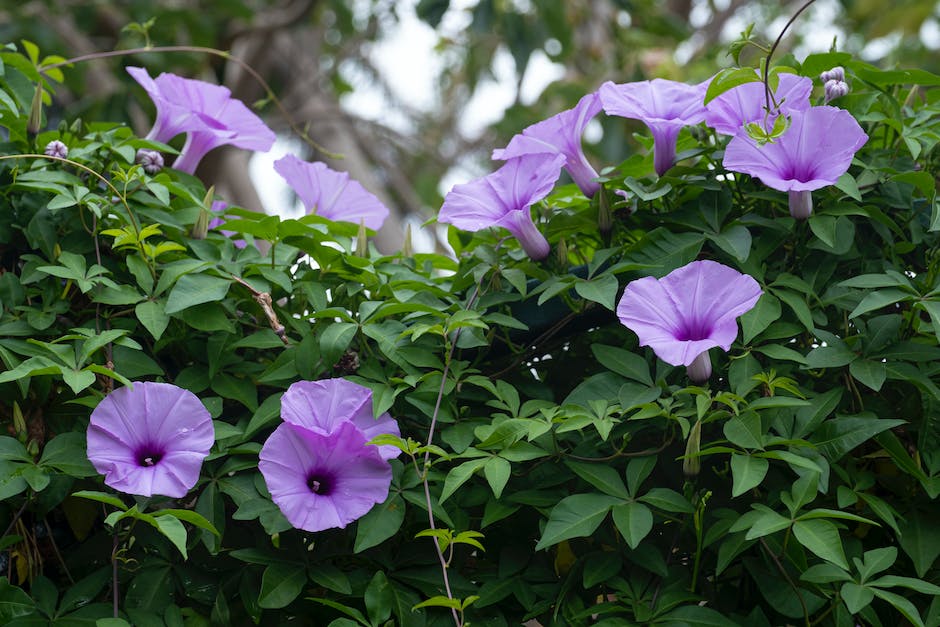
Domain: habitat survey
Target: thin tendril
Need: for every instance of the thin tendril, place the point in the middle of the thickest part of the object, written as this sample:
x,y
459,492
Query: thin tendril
x,y
768,95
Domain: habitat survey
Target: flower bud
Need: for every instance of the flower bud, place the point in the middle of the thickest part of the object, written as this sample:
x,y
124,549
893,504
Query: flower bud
x,y
201,227
35,112
801,204
407,248
55,148
362,241
692,464
604,217
151,160
835,74
700,369
835,89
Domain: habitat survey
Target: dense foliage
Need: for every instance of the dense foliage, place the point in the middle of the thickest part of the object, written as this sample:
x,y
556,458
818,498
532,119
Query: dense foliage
x,y
571,476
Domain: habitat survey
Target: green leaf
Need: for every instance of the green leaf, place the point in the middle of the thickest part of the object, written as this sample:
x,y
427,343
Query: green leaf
x,y
152,314
459,475
905,607
798,305
623,362
879,299
692,615
837,436
766,311
601,476
378,598
497,471
747,472
188,515
920,539
335,340
856,597
634,521
895,581
14,603
380,524
602,289
869,372
196,289
667,500
849,186
822,538
174,530
574,517
66,453
745,430
729,78
101,497
735,240
280,584
834,356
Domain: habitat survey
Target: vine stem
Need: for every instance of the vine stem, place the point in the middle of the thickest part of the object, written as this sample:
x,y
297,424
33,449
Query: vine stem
x,y
768,96
268,92
427,459
114,576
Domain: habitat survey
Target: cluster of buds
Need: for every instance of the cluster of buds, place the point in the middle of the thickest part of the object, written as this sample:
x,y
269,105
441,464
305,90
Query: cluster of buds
x,y
151,160
55,148
834,83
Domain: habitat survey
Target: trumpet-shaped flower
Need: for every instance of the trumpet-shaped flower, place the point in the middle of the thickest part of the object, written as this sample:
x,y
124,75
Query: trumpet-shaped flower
x,y
323,480
322,406
560,134
815,151
150,439
664,106
207,113
746,103
502,198
331,194
688,311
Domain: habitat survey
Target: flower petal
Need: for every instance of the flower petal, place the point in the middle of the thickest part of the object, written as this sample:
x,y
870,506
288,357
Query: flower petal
x,y
331,194
354,474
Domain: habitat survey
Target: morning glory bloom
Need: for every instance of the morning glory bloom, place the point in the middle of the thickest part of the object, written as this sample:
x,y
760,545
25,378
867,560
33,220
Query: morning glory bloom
x,y
664,106
502,198
687,312
322,406
814,152
560,134
207,113
320,481
150,439
746,103
331,194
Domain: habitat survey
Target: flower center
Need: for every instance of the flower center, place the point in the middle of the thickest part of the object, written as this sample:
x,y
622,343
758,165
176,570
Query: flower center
x,y
148,457
693,331
320,484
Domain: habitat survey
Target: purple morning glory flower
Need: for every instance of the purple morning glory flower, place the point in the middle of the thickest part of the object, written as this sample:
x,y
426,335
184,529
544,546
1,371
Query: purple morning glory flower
x,y
150,439
560,134
814,152
207,113
744,104
321,481
322,406
331,194
688,311
502,198
664,106
56,148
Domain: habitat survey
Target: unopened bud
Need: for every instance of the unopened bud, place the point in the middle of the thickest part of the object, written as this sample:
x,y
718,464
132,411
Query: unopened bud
x,y
19,423
604,217
562,252
407,248
835,74
201,227
55,148
34,122
835,89
700,369
150,160
691,464
362,241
